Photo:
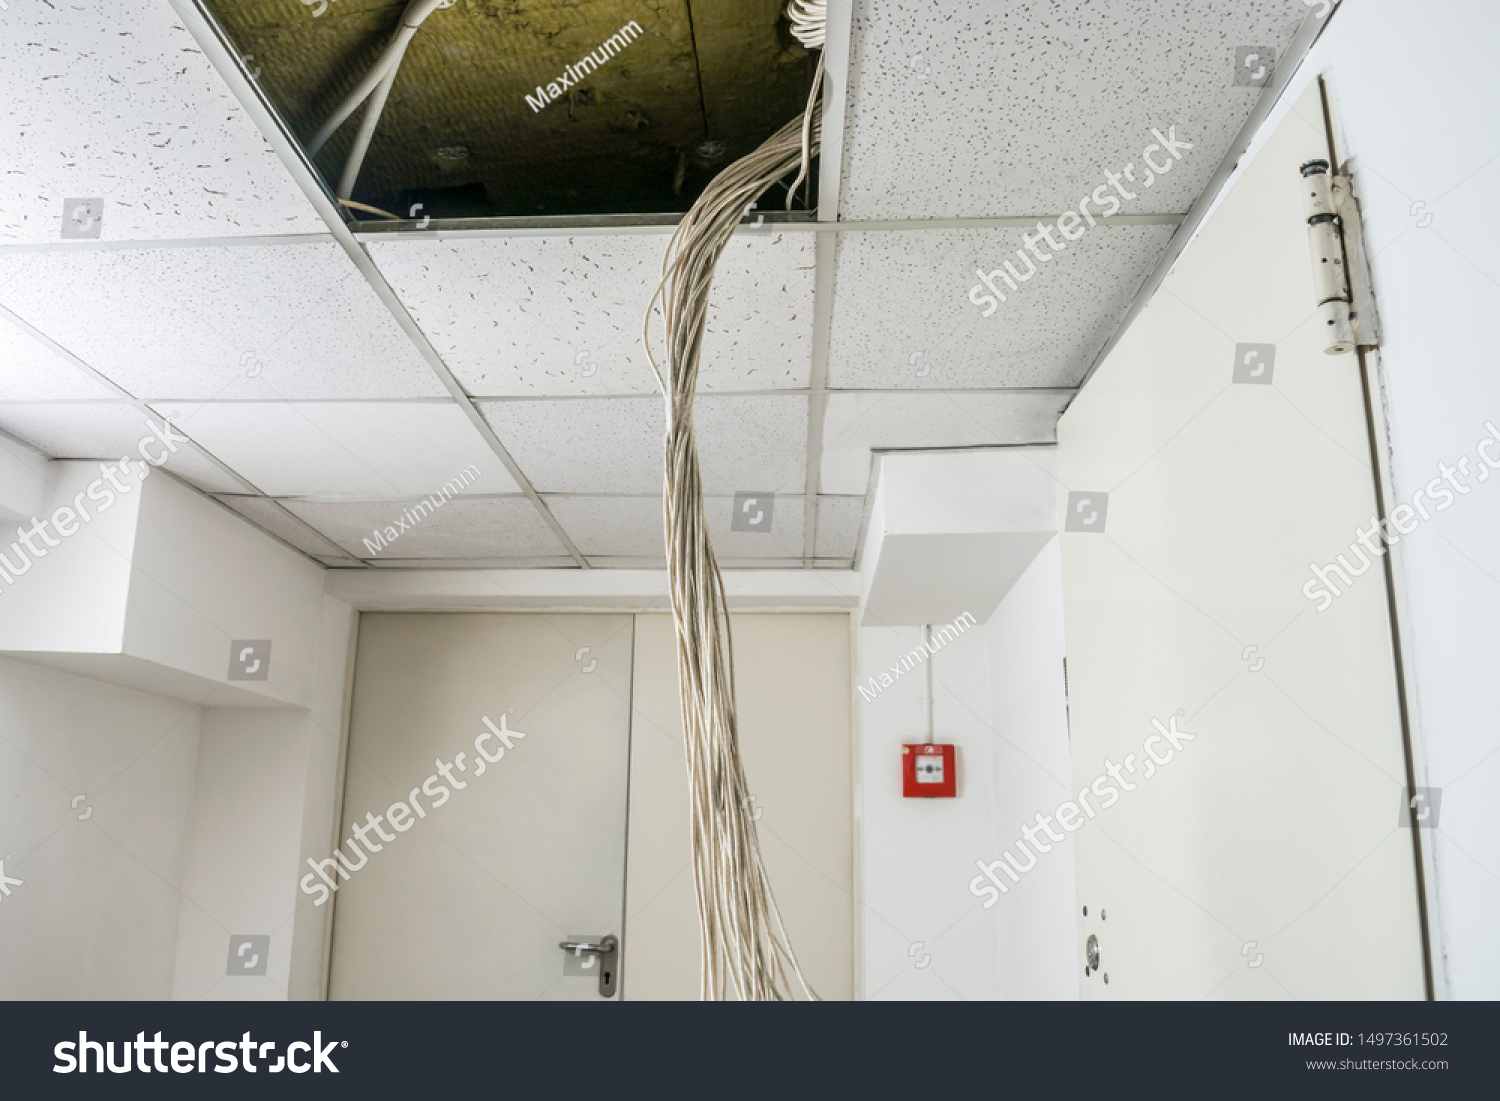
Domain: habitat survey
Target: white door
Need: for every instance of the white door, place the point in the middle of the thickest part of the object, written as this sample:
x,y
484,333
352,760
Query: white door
x,y
471,892
1265,857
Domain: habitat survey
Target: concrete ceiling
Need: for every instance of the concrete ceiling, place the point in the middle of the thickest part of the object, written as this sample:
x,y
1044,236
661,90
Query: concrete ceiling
x,y
328,381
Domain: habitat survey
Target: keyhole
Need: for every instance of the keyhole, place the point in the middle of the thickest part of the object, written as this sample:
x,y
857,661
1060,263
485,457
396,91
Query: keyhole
x,y
606,978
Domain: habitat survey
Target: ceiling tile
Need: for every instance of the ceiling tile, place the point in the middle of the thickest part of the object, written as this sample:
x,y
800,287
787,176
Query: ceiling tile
x,y
231,323
199,470
467,528
633,527
856,423
972,108
267,514
630,526
105,431
614,445
345,449
31,371
116,101
839,519
1046,333
563,315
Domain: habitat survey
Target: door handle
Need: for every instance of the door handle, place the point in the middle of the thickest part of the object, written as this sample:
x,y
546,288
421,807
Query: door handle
x,y
607,952
579,947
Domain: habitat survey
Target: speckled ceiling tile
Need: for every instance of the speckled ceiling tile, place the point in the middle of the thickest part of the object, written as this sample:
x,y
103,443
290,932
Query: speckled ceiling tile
x,y
263,513
105,431
345,449
248,322
973,108
614,445
1046,333
632,527
839,519
113,99
562,315
492,527
31,371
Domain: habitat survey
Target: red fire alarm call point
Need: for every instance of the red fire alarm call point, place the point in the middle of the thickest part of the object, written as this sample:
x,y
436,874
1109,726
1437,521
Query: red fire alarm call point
x,y
929,772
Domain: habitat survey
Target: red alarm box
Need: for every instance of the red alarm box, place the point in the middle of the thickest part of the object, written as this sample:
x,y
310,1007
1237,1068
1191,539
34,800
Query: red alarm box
x,y
929,772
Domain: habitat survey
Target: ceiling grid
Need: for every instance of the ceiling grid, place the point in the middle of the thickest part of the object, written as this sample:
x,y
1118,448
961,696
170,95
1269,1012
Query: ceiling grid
x,y
327,387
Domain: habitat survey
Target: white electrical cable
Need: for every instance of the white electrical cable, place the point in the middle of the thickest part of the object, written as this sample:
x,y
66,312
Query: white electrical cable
x,y
380,76
367,123
743,935
809,18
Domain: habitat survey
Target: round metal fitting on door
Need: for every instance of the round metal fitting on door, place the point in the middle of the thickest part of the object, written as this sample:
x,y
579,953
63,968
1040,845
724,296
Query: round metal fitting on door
x,y
1091,950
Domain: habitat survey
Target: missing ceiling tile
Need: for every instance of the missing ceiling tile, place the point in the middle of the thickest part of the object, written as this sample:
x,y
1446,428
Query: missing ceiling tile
x,y
471,128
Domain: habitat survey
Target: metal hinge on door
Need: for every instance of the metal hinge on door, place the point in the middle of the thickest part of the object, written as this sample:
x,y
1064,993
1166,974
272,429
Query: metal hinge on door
x,y
1341,272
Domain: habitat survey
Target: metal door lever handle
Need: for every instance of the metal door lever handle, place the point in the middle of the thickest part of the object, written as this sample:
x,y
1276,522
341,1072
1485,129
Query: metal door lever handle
x,y
605,951
583,946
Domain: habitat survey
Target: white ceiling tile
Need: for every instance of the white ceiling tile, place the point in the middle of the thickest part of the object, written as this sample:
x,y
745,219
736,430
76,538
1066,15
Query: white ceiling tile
x,y
856,423
199,470
972,108
839,519
1046,333
228,323
614,445
115,100
467,528
31,371
344,449
105,431
562,315
266,514
632,527
612,525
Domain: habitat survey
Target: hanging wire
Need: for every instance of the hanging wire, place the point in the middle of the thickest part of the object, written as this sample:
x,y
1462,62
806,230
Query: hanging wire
x,y
744,940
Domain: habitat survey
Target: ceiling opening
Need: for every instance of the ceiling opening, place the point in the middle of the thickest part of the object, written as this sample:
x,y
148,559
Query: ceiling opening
x,y
495,114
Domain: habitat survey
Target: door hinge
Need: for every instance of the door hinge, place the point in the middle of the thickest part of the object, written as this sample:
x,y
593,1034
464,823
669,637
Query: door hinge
x,y
1341,272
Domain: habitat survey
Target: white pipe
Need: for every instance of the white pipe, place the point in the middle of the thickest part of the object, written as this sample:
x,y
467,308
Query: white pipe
x,y
411,19
927,681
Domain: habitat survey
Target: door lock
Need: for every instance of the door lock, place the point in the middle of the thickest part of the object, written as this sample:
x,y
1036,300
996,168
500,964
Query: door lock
x,y
1091,951
604,954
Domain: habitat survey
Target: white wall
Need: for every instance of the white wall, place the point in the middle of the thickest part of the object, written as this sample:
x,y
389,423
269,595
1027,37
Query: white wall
x,y
96,914
1032,773
265,790
202,577
1418,106
998,696
24,485
72,600
194,836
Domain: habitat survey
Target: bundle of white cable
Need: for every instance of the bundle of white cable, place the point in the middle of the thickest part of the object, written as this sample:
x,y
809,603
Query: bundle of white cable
x,y
378,80
743,934
808,17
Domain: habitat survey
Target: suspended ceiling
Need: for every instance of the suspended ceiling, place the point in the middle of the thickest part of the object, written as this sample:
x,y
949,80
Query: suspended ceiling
x,y
325,389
